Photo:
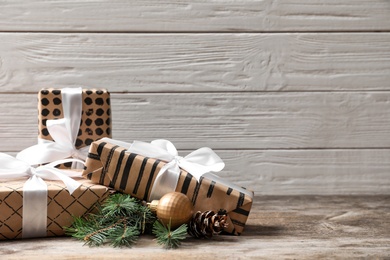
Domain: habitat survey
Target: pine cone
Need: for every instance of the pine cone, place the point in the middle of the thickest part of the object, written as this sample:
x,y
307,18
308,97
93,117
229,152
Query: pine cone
x,y
208,223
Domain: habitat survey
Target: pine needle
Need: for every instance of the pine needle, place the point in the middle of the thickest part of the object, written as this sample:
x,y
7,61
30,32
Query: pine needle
x,y
120,205
167,238
124,237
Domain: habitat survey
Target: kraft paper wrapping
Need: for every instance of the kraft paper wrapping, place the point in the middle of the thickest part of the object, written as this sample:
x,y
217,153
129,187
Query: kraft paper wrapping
x,y
113,166
95,118
61,206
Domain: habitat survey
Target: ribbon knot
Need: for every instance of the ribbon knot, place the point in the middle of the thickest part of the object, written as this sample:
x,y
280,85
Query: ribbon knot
x,y
13,168
63,131
31,171
77,154
177,159
196,163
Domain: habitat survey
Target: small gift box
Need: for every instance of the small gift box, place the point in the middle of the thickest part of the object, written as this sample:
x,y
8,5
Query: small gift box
x,y
92,121
70,119
156,172
33,207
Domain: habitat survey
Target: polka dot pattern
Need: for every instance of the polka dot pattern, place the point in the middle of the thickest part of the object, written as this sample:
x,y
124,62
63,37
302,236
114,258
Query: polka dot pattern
x,y
96,114
57,101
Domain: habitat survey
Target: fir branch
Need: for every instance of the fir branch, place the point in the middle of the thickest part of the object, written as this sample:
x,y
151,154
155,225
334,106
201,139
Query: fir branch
x,y
167,238
98,237
119,221
124,237
81,227
119,205
125,205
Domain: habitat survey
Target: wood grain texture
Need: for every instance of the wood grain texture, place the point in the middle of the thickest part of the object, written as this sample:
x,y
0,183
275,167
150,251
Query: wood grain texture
x,y
295,227
292,94
195,62
228,120
272,143
261,120
306,172
195,15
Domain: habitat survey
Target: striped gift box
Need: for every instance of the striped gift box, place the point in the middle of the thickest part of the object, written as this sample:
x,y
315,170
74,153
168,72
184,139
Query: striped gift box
x,y
112,165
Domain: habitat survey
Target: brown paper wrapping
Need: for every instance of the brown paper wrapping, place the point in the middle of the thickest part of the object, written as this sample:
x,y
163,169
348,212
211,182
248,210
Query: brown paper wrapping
x,y
112,166
61,206
95,119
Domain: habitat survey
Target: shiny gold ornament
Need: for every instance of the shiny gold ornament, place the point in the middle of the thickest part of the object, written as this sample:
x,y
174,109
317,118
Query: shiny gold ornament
x,y
175,207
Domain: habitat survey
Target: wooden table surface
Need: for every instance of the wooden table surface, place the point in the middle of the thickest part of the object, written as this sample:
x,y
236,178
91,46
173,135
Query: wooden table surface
x,y
299,227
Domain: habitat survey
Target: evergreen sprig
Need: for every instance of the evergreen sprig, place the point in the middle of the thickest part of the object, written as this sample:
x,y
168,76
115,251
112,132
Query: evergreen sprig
x,y
124,237
119,222
168,238
119,205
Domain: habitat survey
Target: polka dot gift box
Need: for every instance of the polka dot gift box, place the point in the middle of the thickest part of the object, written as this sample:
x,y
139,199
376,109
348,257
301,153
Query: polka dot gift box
x,y
94,121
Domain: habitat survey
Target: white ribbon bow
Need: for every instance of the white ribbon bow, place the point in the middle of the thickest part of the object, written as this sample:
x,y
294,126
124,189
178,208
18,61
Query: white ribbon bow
x,y
64,132
196,163
35,189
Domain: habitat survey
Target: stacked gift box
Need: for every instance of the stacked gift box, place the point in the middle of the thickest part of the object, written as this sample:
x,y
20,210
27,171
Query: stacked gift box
x,y
76,124
69,121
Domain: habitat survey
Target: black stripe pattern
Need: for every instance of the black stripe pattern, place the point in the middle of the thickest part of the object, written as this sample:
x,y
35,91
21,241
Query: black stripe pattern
x,y
126,172
94,156
241,211
109,158
240,201
196,191
140,175
211,189
186,184
117,168
150,179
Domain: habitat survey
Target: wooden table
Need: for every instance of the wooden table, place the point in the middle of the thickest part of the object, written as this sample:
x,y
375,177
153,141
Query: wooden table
x,y
299,227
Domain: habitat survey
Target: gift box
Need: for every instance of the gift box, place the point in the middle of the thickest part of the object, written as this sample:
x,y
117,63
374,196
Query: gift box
x,y
61,206
114,166
70,119
95,114
73,118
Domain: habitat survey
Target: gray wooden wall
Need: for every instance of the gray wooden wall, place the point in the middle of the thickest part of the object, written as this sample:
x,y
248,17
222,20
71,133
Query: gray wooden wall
x,y
293,95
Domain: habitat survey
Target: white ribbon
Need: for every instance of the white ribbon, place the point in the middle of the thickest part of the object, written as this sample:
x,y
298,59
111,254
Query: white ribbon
x,y
35,189
197,163
64,132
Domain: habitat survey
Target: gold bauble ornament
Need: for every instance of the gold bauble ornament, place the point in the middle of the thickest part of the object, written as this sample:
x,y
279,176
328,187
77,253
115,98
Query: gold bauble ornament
x,y
174,207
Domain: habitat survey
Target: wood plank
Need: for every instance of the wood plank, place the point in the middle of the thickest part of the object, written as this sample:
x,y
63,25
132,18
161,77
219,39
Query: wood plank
x,y
195,15
297,227
228,120
196,62
307,172
261,120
